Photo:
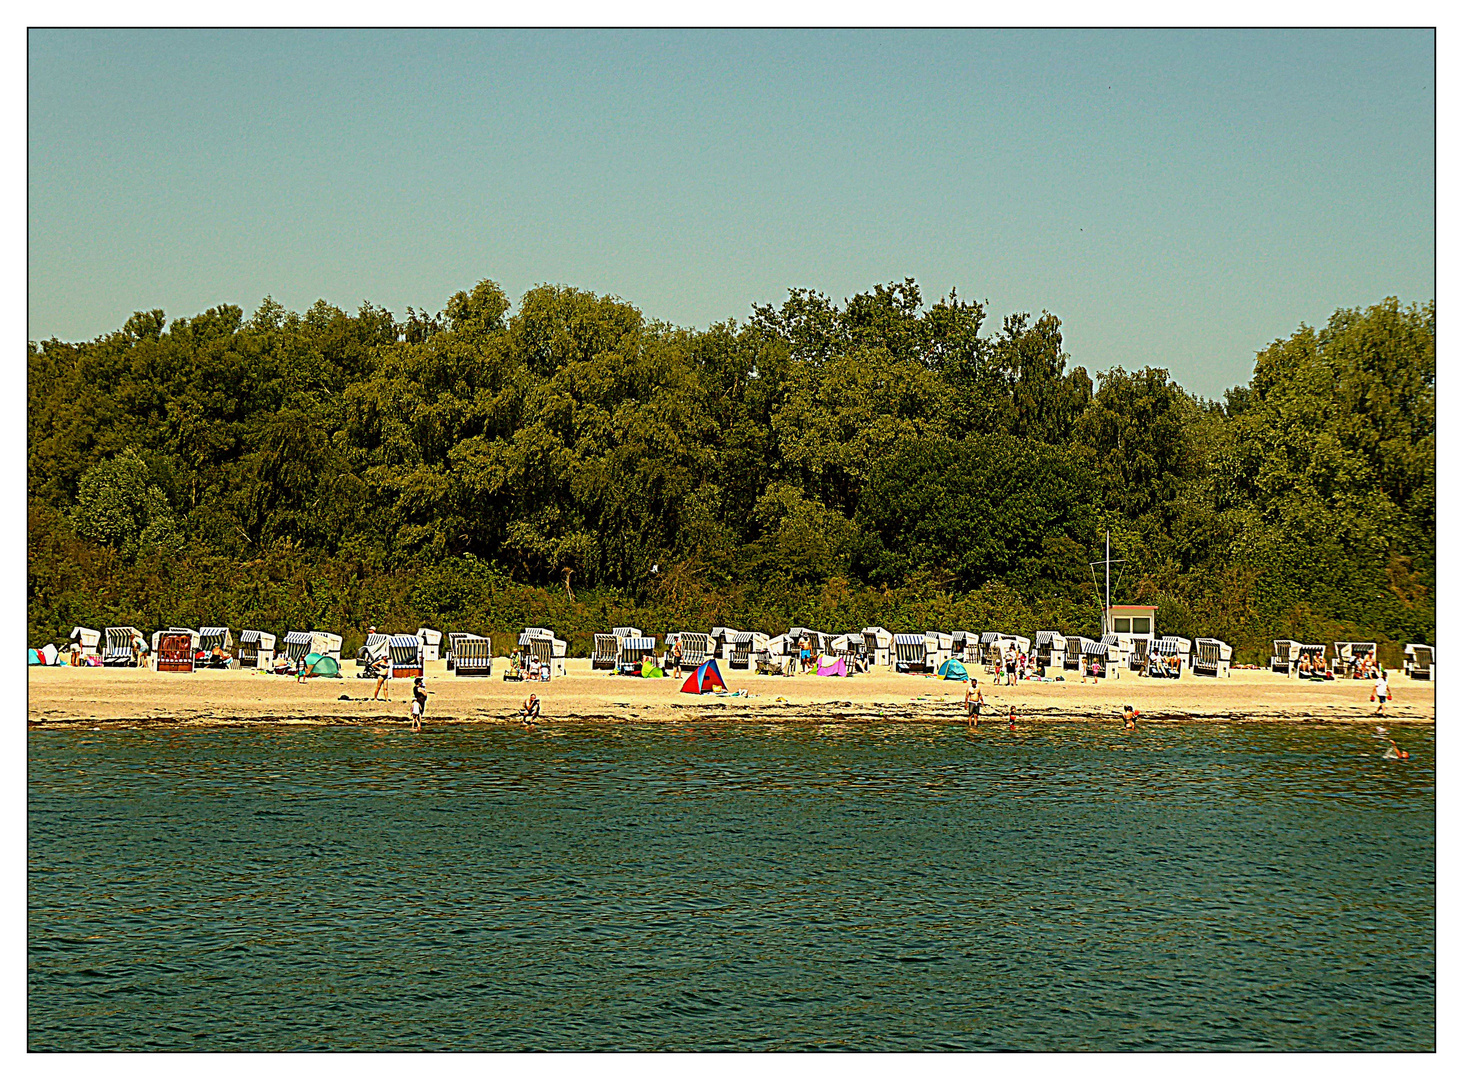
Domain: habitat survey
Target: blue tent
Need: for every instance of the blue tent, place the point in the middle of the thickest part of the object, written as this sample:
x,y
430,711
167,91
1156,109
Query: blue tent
x,y
953,669
35,658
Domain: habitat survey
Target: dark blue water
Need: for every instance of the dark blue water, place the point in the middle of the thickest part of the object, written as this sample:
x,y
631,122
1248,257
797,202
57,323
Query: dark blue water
x,y
731,887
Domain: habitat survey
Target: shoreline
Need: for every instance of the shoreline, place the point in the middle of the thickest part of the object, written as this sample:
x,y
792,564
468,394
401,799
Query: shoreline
x,y
64,698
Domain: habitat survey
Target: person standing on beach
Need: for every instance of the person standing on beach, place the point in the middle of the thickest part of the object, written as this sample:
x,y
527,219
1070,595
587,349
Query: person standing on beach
x,y
419,697
1381,692
383,679
973,705
1011,721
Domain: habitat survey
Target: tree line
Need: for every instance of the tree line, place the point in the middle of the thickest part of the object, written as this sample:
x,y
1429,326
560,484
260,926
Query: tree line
x,y
573,464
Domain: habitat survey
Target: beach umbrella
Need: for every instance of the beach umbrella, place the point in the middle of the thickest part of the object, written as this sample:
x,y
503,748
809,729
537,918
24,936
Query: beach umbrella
x,y
953,669
704,679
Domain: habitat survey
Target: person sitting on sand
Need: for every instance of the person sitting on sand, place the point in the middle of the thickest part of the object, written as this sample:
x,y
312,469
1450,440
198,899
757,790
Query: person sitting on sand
x,y
530,710
1130,717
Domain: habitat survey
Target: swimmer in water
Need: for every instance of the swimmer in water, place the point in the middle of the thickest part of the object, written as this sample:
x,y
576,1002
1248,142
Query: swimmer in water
x,y
1130,717
1396,751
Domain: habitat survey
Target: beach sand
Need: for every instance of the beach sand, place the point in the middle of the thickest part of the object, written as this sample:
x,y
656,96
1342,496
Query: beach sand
x,y
69,696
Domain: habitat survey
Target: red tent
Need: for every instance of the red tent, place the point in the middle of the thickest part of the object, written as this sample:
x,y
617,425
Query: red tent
x,y
704,679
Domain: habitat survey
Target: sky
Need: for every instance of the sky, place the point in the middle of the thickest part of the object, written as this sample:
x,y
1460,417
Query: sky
x,y
1178,198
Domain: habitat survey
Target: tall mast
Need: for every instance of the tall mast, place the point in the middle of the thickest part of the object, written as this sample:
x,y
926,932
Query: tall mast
x,y
1107,581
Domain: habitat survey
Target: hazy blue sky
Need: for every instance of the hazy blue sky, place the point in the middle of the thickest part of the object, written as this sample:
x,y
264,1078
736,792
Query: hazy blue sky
x,y
1177,198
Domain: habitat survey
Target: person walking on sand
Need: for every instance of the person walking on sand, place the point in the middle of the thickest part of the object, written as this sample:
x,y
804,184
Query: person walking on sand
x,y
1381,692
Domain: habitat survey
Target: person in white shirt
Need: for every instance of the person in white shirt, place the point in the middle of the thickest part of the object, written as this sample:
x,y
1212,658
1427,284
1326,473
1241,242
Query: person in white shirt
x,y
1381,692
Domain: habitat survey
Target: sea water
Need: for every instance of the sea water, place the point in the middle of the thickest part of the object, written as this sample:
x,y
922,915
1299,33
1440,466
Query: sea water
x,y
731,886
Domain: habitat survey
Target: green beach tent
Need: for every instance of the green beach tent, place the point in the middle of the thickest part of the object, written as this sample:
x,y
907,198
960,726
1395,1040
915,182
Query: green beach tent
x,y
324,666
953,669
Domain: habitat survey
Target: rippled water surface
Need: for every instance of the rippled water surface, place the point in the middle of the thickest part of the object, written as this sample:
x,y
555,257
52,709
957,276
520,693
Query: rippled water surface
x,y
731,887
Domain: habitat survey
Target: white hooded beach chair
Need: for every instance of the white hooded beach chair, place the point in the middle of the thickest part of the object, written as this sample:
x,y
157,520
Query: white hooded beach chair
x,y
1102,658
1284,655
297,644
376,647
177,649
90,640
326,644
1169,655
1072,658
431,644
211,637
256,649
633,652
1417,661
1349,656
116,645
911,656
472,656
696,648
606,652
879,645
1051,650
552,652
1212,657
744,647
408,656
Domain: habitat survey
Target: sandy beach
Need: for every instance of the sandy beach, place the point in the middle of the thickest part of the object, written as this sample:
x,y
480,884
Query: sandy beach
x,y
68,696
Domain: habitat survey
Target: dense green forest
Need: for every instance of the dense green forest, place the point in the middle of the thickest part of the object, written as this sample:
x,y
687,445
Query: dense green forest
x,y
572,464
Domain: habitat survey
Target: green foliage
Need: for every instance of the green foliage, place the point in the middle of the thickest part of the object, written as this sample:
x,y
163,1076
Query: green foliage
x,y
118,505
883,461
